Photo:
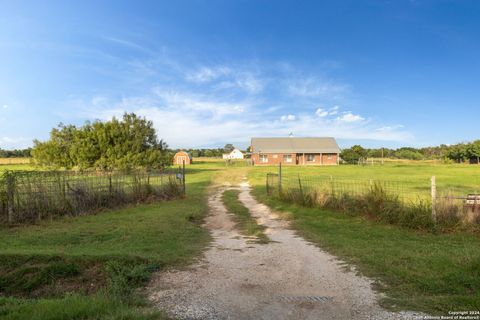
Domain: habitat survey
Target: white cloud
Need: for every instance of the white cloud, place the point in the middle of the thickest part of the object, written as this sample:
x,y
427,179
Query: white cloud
x,y
14,142
206,74
334,110
321,112
213,105
5,106
185,119
315,87
289,117
222,77
389,128
350,117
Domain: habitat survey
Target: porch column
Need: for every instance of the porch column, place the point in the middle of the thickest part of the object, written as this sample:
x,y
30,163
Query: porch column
x,y
321,158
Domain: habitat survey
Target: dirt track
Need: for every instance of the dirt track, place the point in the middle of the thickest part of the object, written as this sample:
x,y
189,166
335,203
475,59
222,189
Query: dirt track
x,y
286,279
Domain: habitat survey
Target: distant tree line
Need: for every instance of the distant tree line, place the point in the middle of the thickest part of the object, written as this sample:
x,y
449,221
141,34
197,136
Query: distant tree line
x,y
211,153
16,153
130,142
461,152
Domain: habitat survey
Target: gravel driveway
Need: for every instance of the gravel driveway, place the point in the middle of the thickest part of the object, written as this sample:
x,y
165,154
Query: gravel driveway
x,y
288,278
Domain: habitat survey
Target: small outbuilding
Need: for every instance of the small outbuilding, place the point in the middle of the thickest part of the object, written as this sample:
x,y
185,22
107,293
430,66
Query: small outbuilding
x,y
235,154
180,157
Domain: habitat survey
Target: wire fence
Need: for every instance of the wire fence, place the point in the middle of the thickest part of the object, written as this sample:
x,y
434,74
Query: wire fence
x,y
411,203
29,196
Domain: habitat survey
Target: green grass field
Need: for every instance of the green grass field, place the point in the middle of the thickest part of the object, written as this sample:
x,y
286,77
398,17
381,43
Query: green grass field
x,y
104,257
112,251
5,167
414,177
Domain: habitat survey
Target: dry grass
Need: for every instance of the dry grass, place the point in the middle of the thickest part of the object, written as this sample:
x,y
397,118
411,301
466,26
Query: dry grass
x,y
15,160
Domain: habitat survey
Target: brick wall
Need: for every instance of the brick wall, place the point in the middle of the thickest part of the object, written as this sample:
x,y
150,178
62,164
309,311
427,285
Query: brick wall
x,y
275,159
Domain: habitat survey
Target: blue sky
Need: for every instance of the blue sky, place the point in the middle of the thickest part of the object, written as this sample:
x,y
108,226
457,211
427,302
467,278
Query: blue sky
x,y
379,73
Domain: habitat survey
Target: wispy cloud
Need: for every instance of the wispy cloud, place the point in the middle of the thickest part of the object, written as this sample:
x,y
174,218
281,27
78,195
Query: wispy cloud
x,y
322,112
223,77
288,117
350,117
186,120
209,105
14,142
315,87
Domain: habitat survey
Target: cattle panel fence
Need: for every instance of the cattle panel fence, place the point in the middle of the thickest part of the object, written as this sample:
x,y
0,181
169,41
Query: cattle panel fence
x,y
29,196
405,202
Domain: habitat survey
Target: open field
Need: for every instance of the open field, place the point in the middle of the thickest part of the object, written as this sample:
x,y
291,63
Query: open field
x,y
119,249
415,178
104,257
5,167
6,161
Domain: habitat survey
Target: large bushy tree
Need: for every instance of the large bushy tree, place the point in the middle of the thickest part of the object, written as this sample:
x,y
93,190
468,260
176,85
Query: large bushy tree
x,y
353,154
130,142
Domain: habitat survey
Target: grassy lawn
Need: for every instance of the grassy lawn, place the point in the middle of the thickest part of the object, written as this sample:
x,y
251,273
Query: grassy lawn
x,y
245,222
417,271
414,177
102,257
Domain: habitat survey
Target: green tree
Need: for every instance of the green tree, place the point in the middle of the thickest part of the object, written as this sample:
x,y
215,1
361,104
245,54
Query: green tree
x,y
228,147
473,151
353,154
116,144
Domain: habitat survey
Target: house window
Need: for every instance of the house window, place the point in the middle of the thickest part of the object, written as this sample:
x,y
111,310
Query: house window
x,y
310,157
263,158
330,157
287,158
275,156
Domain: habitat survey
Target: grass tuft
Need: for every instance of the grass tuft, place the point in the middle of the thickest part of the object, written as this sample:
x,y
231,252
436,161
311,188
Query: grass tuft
x,y
245,222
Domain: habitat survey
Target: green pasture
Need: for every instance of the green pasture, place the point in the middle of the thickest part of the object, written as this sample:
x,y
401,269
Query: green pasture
x,y
413,178
117,250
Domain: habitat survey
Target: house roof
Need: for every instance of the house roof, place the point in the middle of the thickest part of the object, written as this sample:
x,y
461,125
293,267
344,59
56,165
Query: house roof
x,y
183,152
295,145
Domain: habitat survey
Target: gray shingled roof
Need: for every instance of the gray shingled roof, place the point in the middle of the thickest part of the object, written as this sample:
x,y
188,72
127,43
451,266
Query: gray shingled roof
x,y
295,145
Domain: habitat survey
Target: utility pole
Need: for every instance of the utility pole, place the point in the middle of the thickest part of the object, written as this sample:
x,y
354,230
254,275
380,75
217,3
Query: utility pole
x,y
382,156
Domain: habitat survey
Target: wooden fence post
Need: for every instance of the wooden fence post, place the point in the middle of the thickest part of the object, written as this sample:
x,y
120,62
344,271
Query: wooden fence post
x,y
434,198
10,196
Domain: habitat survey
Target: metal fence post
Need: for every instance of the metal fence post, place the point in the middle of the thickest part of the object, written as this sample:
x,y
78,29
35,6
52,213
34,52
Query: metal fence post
x,y
280,178
267,184
10,178
301,189
110,187
433,186
183,179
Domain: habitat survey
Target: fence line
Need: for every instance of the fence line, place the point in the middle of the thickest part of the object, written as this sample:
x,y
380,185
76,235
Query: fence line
x,y
426,202
28,196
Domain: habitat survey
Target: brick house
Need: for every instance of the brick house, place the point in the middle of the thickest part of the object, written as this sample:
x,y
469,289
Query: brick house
x,y
294,151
